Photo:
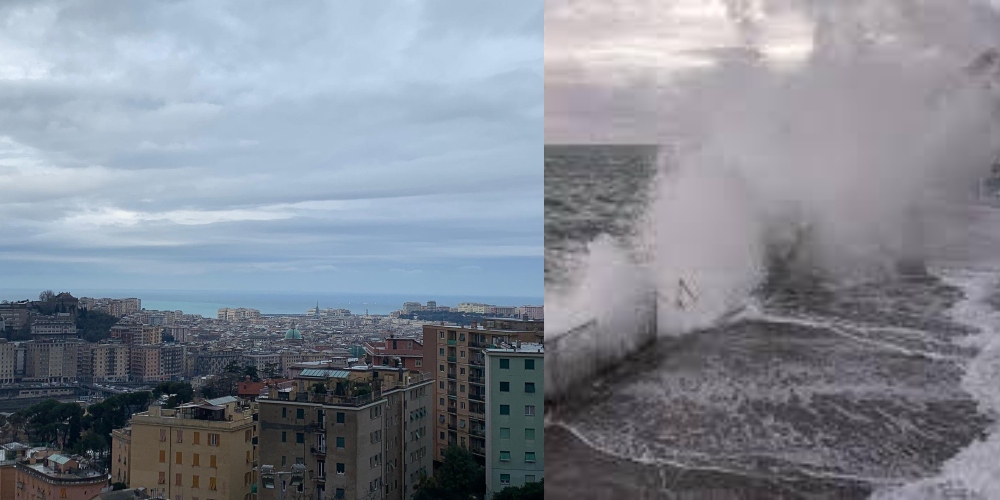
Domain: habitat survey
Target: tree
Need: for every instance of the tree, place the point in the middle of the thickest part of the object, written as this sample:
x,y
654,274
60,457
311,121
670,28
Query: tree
x,y
177,392
46,296
530,491
460,477
251,371
270,370
94,326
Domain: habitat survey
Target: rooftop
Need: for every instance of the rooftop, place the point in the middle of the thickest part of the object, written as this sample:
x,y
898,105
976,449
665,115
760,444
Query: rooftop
x,y
525,348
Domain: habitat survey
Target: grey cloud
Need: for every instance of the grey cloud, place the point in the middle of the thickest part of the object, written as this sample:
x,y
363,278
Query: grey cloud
x,y
256,135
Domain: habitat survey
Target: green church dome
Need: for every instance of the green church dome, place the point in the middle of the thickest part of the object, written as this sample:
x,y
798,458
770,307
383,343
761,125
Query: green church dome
x,y
293,334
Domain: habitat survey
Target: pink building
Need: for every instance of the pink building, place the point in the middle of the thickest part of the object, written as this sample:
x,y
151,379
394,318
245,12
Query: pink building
x,y
409,353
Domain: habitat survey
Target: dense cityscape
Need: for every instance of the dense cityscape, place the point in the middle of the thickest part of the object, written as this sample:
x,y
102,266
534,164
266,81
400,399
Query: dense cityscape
x,y
263,394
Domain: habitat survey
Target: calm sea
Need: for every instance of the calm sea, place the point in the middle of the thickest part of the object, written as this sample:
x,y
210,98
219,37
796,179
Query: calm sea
x,y
207,303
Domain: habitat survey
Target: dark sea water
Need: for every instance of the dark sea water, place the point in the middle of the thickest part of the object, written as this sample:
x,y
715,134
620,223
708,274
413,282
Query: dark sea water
x,y
591,190
814,392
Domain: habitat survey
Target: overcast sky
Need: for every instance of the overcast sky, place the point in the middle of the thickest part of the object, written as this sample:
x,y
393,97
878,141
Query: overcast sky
x,y
295,146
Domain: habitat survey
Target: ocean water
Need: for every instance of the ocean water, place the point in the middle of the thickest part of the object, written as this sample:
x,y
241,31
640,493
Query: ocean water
x,y
207,303
589,191
884,389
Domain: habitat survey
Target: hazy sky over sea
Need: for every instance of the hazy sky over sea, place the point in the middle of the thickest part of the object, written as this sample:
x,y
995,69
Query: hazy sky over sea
x,y
329,146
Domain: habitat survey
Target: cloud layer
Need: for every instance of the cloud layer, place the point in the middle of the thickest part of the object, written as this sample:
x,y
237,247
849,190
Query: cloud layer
x,y
306,146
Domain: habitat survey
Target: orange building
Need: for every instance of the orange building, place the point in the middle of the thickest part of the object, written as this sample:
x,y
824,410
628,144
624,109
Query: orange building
x,y
56,476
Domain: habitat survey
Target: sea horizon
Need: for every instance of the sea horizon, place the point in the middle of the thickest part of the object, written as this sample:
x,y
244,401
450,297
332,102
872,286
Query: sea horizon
x,y
208,302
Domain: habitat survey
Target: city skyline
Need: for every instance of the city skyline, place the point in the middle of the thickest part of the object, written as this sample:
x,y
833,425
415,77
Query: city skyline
x,y
252,147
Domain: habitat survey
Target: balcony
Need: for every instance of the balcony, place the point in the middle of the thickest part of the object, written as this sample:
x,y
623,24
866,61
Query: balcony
x,y
319,451
451,375
477,415
477,432
478,450
452,427
452,409
451,359
452,342
477,397
477,380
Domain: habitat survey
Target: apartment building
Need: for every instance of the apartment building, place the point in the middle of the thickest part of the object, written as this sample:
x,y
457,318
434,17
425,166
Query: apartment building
x,y
59,326
7,361
408,352
454,356
145,363
358,433
199,450
51,475
104,362
52,361
515,451
15,314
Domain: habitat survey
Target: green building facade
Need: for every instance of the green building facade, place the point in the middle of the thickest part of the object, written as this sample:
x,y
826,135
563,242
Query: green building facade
x,y
515,436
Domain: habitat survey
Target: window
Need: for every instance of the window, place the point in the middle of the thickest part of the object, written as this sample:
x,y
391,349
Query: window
x,y
62,492
462,353
300,413
196,460
163,434
211,461
177,458
441,351
461,371
340,443
441,385
504,364
284,412
213,440
195,482
529,387
505,409
163,478
300,438
284,437
529,457
211,483
504,386
163,456
440,368
419,363
340,417
505,433
505,456
180,436
529,410
340,468
441,401
197,438
529,479
529,364
462,387
442,334
505,479
442,434
177,480
340,493
284,460
529,434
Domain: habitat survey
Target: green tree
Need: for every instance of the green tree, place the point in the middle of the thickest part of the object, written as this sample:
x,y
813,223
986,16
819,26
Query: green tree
x,y
178,392
46,296
94,326
270,370
460,477
251,371
530,491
